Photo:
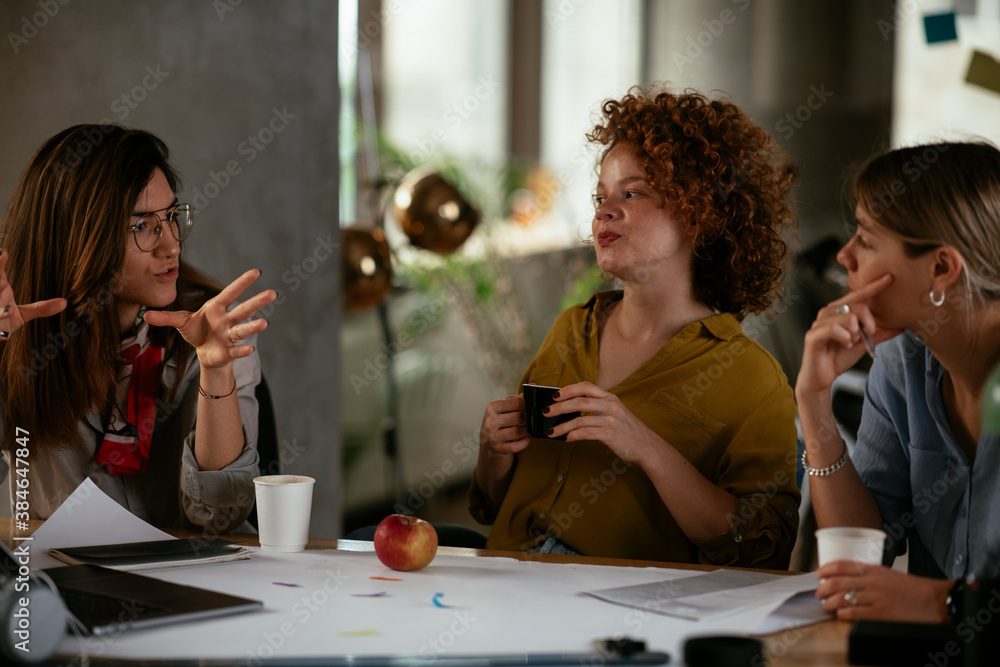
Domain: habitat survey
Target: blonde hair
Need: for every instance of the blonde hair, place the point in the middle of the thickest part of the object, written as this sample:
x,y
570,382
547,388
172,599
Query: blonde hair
x,y
935,195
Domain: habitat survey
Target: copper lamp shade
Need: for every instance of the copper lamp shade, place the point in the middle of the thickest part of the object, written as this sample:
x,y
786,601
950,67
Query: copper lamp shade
x,y
432,212
367,268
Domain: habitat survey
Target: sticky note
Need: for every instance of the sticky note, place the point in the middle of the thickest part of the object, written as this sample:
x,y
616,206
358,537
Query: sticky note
x,y
984,71
965,7
940,27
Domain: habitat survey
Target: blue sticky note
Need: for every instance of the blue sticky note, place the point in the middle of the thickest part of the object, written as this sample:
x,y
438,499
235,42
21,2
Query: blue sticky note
x,y
940,27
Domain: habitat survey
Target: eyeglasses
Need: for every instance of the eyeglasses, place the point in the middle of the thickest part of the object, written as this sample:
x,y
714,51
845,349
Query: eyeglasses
x,y
149,227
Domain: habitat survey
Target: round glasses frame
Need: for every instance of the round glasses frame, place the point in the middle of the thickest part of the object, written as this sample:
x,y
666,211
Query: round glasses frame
x,y
149,227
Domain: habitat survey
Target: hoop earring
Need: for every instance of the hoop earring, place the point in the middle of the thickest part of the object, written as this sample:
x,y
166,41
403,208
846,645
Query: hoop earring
x,y
939,300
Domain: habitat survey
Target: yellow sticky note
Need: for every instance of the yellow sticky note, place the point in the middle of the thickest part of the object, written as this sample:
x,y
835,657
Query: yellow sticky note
x,y
984,71
358,633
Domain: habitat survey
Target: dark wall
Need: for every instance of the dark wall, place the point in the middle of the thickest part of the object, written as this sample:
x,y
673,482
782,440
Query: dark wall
x,y
818,76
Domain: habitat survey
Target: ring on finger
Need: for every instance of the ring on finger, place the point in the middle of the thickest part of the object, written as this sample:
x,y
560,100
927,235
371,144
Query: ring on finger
x,y
843,309
229,334
851,597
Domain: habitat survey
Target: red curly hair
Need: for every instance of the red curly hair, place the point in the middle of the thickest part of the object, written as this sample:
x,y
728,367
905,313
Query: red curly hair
x,y
724,173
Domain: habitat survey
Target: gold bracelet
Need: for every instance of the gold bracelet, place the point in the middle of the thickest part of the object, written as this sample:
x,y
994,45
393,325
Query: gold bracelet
x,y
202,391
829,470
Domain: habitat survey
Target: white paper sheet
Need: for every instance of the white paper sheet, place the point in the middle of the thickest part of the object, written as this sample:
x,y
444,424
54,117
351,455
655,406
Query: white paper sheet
x,y
797,611
88,518
337,604
710,595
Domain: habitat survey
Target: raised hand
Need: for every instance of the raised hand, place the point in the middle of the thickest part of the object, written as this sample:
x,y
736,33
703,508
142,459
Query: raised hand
x,y
13,316
215,331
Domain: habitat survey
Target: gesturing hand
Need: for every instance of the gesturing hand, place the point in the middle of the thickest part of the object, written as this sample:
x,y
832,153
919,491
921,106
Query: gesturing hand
x,y
215,331
605,419
12,316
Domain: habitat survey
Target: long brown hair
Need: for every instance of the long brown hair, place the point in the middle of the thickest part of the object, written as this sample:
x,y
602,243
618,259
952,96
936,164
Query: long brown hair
x,y
721,172
66,235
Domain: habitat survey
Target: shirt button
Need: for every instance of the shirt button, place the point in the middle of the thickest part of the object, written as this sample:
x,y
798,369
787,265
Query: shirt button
x,y
737,538
559,478
541,516
959,559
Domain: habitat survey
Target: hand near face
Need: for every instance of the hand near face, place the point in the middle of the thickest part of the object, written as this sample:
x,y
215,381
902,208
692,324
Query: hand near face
x,y
214,330
834,343
13,316
605,419
880,593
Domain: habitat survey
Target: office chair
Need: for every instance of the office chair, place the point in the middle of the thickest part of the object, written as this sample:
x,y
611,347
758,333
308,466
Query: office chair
x,y
268,462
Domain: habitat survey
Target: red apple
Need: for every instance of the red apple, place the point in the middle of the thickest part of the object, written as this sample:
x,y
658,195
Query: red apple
x,y
405,542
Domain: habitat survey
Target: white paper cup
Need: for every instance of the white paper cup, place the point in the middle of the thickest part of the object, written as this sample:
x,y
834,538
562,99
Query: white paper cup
x,y
283,506
864,545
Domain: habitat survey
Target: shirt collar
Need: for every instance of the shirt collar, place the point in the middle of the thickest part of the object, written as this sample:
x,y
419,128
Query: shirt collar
x,y
723,326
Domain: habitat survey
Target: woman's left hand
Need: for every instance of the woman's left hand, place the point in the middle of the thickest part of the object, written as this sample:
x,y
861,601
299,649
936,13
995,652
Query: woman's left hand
x,y
215,331
604,419
856,591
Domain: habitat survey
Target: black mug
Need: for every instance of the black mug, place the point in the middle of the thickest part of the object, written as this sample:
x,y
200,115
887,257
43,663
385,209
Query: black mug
x,y
536,399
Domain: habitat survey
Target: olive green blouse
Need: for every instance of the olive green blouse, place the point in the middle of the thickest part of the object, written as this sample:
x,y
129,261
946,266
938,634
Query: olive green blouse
x,y
712,393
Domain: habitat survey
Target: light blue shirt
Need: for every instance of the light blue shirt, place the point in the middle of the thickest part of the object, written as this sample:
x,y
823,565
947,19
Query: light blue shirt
x,y
923,483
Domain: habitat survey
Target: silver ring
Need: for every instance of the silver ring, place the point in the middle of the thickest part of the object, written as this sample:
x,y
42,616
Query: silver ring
x,y
229,334
843,309
851,598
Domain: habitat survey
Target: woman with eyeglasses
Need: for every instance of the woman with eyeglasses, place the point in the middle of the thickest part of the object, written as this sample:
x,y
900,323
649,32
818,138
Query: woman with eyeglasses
x,y
118,361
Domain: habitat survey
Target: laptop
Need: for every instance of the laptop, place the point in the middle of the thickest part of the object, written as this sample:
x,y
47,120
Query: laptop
x,y
103,601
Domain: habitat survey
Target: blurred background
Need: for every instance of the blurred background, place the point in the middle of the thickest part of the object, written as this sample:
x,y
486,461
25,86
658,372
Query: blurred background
x,y
316,137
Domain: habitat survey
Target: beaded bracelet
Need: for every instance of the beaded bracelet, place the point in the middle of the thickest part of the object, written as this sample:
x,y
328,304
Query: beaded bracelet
x,y
829,470
202,391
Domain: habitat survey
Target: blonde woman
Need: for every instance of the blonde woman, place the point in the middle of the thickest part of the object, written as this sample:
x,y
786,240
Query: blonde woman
x,y
924,287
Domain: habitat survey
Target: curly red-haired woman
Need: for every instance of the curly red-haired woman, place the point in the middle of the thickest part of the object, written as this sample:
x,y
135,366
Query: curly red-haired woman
x,y
685,447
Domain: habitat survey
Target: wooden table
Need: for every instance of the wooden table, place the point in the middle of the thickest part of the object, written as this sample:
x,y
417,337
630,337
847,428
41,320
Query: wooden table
x,y
819,645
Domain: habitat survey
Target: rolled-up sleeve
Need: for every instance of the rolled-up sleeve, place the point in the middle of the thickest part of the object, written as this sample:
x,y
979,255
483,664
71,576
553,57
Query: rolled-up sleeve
x,y
480,507
222,499
758,469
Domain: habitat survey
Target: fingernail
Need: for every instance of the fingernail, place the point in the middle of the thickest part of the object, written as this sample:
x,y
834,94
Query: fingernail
x,y
546,410
550,432
555,396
